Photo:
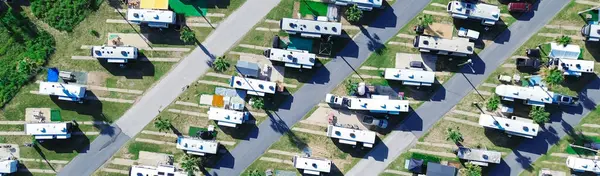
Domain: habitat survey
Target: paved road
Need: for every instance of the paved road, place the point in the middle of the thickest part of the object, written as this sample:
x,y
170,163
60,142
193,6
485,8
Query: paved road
x,y
351,57
168,88
455,89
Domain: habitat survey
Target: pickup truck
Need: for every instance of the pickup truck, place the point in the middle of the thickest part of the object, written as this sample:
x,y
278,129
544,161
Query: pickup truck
x,y
565,100
530,63
338,100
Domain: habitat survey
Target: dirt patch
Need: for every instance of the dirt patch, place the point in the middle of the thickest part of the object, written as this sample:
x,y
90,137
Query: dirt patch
x,y
441,30
296,10
98,79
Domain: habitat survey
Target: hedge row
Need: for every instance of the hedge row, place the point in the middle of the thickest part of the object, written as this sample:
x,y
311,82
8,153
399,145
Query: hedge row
x,y
23,52
63,15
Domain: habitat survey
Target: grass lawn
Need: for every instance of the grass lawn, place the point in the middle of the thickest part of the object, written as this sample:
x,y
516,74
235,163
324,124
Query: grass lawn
x,y
313,8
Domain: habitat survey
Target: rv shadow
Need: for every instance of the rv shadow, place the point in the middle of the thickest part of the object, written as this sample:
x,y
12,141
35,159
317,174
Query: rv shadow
x,y
168,36
501,139
242,132
594,49
356,151
91,106
223,160
78,143
132,70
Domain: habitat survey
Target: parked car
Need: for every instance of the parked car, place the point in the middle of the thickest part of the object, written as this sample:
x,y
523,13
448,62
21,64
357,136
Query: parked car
x,y
519,7
565,100
372,121
338,100
530,63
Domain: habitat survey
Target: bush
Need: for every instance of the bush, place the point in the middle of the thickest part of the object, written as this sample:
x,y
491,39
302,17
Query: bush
x,y
472,170
553,76
425,20
454,135
353,13
187,35
426,158
257,102
221,64
563,40
539,114
492,103
23,52
351,87
63,15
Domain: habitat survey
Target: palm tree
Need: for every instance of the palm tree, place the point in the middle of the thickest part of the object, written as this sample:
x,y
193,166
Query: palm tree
x,y
257,102
563,40
539,115
472,170
425,21
187,35
190,164
220,64
553,76
162,124
353,13
454,135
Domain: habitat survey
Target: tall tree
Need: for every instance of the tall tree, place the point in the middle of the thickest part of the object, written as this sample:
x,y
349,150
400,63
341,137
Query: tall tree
x,y
190,164
539,114
454,135
162,124
220,64
353,13
553,76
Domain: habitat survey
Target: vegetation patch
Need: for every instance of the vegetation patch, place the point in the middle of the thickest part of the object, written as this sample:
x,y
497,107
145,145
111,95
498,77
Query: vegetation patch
x,y
60,14
23,52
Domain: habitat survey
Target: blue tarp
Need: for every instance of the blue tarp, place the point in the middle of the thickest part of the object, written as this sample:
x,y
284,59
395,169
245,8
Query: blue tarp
x,y
52,75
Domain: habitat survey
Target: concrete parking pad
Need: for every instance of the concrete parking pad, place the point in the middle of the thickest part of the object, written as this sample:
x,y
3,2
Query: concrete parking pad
x,y
403,60
397,172
321,115
7,150
153,159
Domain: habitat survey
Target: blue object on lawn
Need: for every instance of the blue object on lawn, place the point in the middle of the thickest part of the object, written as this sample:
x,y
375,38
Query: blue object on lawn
x,y
535,80
52,74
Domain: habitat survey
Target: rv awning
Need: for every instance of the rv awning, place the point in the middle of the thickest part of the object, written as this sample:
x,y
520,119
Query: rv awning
x,y
154,4
564,52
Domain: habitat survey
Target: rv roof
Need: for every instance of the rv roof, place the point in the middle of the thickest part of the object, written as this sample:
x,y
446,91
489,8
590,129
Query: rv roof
x,y
510,125
379,104
351,134
197,145
226,115
535,93
151,170
459,45
475,10
116,52
63,90
409,75
152,16
47,128
311,26
575,65
313,164
292,56
479,155
253,84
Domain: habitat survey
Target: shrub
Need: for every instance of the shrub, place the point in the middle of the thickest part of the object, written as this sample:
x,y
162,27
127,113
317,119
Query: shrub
x,y
351,87
425,20
257,102
539,114
472,170
187,35
454,135
94,33
563,40
60,14
162,124
221,64
492,103
190,164
353,13
23,52
426,157
553,76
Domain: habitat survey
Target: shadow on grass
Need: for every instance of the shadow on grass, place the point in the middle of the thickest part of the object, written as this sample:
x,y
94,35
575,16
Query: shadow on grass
x,y
78,143
135,69
358,151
